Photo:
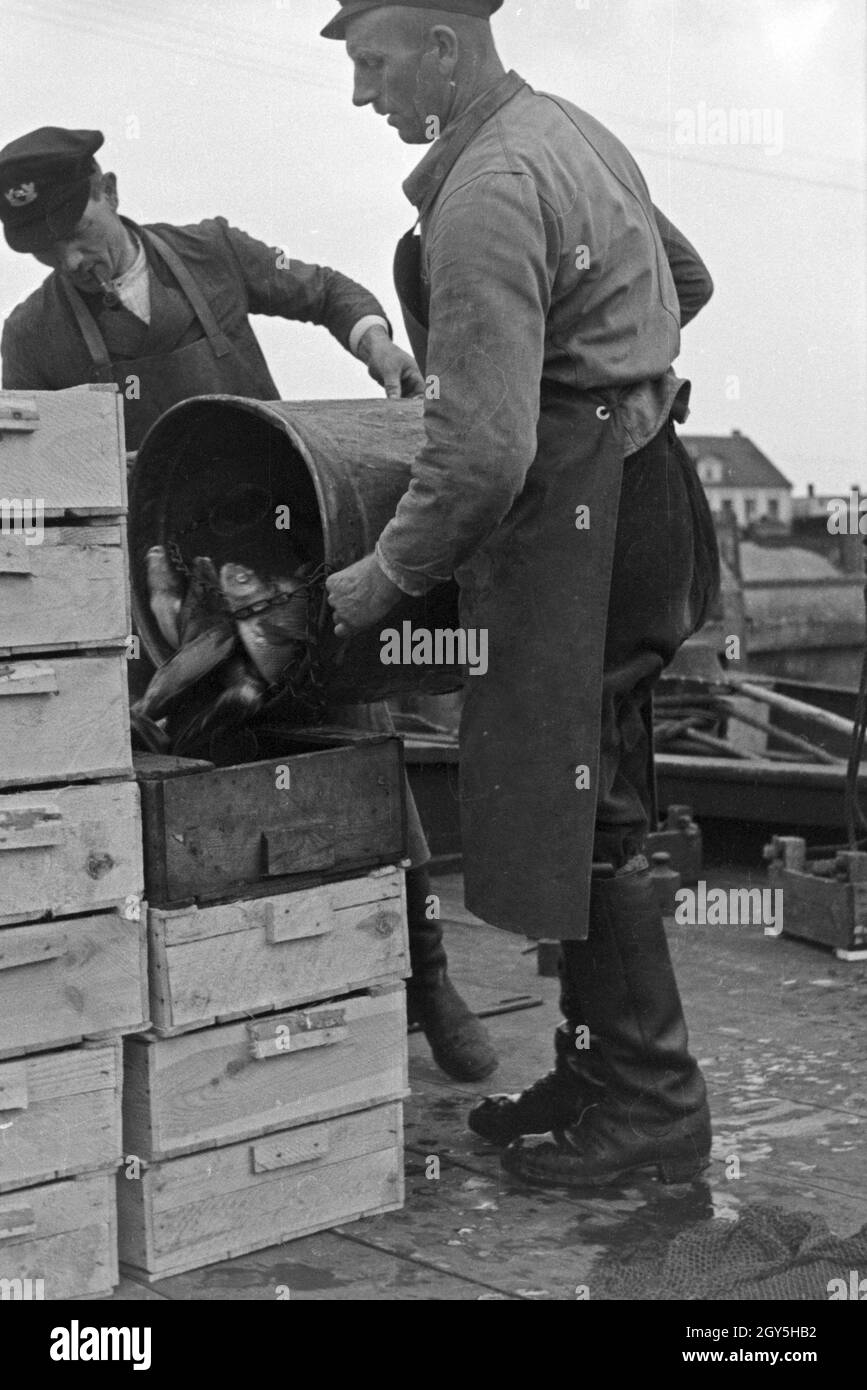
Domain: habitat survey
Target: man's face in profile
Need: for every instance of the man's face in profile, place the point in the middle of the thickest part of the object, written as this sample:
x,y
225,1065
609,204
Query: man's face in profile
x,y
397,71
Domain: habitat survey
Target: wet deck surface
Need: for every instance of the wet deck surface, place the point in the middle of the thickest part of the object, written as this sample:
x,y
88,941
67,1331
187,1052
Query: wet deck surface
x,y
779,1028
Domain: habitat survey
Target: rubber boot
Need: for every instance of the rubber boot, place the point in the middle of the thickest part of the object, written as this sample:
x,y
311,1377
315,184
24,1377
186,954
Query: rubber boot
x,y
559,1098
459,1043
653,1114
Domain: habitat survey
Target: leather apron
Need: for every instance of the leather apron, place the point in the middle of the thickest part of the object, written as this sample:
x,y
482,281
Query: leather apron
x,y
220,363
530,731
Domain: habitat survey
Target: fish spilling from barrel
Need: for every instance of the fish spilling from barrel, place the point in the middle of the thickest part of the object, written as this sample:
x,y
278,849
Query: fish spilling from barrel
x,y
241,649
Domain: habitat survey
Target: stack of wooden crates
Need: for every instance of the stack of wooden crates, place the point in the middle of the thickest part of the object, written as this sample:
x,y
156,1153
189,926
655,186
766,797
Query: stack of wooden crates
x,y
266,1101
72,930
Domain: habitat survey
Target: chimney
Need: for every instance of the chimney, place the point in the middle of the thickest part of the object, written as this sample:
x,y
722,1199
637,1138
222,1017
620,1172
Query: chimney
x,y
811,491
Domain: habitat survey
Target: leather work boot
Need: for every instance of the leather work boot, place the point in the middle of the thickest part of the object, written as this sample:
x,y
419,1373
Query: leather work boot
x,y
653,1114
459,1043
553,1102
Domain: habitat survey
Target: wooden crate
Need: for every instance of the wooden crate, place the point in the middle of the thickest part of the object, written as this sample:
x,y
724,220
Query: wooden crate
x,y
239,1080
65,449
60,1114
225,1202
64,981
66,850
215,834
63,1234
70,591
830,911
262,954
64,720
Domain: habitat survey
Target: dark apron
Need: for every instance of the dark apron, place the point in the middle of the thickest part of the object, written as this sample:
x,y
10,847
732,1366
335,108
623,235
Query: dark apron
x,y
531,728
220,363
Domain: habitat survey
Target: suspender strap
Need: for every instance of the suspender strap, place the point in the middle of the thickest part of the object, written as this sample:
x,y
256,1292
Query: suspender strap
x,y
220,345
94,341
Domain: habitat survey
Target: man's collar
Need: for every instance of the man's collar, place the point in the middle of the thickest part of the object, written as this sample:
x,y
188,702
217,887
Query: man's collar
x,y
428,177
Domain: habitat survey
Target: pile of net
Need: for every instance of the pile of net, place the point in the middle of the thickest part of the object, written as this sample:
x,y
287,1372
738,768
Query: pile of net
x,y
768,1253
245,652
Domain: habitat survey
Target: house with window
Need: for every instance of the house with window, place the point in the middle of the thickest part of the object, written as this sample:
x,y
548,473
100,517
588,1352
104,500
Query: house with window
x,y
741,483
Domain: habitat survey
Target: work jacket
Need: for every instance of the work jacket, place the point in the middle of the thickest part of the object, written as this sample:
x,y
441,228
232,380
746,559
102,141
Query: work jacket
x,y
541,306
58,338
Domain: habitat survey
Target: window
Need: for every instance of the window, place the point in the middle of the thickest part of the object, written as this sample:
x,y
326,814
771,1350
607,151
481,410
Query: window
x,y
774,508
750,506
710,471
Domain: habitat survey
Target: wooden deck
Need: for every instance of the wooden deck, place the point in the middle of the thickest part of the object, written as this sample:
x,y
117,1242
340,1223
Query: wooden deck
x,y
778,1026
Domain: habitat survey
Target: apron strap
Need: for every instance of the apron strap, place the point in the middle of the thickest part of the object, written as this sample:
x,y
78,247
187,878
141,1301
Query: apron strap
x,y
94,341
220,345
89,329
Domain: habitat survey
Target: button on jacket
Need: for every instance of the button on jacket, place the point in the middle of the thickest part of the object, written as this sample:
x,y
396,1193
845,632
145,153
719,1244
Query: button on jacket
x,y
543,262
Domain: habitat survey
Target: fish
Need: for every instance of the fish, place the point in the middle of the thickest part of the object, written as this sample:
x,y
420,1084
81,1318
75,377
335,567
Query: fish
x,y
166,594
194,661
237,703
271,638
203,604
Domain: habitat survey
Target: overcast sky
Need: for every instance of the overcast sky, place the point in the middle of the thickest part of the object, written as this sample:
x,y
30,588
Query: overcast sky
x,y
237,107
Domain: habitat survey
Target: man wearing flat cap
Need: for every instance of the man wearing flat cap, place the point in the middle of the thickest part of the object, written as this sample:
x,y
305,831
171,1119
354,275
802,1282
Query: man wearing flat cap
x,y
553,486
163,312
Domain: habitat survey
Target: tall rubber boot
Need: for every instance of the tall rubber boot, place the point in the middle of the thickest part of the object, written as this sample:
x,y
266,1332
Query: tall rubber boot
x,y
559,1098
653,1114
459,1043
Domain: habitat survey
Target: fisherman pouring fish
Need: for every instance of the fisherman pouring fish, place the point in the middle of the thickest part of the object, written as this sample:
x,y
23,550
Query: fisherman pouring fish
x,y
163,311
552,485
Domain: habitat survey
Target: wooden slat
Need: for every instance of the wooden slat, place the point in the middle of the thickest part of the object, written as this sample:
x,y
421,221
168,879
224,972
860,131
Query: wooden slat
x,y
199,1089
205,833
80,732
72,1246
74,458
197,976
89,855
95,985
286,916
196,1210
69,591
70,1121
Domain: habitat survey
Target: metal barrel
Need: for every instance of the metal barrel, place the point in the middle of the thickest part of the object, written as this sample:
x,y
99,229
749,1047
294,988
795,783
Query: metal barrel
x,y
211,477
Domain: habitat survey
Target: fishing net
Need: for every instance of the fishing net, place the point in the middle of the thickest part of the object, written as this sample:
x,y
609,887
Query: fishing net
x,y
766,1254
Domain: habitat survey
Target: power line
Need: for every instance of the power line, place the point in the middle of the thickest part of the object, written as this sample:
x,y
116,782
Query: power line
x,y
136,33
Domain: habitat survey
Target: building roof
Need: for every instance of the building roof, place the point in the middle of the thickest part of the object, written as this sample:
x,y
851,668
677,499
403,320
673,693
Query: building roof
x,y
744,465
785,562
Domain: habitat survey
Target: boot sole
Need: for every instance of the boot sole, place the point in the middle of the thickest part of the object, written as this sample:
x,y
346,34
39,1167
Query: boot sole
x,y
669,1173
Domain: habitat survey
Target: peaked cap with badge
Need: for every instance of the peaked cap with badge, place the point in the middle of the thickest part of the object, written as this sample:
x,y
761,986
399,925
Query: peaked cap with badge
x,y
45,185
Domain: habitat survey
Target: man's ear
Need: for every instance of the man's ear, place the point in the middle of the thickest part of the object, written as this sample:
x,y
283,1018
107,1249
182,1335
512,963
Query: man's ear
x,y
446,45
109,190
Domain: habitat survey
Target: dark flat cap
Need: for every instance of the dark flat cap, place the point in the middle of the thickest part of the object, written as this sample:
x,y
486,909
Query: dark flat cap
x,y
45,184
482,9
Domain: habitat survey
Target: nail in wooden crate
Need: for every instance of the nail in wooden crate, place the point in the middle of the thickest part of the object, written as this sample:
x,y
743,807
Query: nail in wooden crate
x,y
64,449
60,1114
260,954
238,1080
193,1211
66,850
63,981
65,719
316,807
67,592
60,1239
